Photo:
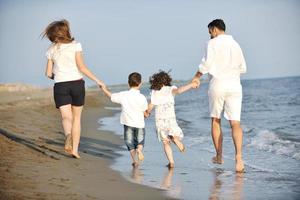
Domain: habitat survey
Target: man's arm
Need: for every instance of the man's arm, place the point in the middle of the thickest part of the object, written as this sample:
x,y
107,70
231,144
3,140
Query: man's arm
x,y
196,78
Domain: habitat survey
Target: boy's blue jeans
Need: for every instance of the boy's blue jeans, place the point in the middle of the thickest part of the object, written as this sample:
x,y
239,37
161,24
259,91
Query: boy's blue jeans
x,y
133,137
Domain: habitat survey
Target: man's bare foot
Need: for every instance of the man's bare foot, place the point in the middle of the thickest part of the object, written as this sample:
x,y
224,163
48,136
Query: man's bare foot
x,y
170,165
75,155
239,166
68,144
217,160
135,164
140,155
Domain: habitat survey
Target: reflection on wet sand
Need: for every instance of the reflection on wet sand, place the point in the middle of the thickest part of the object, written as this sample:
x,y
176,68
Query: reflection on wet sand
x,y
137,175
173,190
223,188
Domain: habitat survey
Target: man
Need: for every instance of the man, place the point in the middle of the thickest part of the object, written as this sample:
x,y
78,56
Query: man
x,y
224,62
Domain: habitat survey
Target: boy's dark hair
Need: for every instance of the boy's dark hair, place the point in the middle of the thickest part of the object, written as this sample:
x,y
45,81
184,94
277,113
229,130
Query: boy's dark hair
x,y
218,23
134,79
160,79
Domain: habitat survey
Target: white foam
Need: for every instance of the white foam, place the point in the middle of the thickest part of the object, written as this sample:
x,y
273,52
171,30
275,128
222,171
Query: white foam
x,y
269,141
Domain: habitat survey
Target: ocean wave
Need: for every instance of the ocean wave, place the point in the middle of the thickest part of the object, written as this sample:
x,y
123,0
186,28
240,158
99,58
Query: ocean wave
x,y
269,141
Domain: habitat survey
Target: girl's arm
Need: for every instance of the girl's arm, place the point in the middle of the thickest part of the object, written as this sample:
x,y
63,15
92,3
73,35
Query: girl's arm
x,y
83,69
185,88
148,111
49,69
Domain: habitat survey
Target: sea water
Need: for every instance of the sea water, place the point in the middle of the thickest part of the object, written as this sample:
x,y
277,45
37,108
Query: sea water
x,y
271,146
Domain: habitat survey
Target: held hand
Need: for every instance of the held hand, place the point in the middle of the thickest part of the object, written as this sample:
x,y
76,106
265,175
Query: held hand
x,y
195,83
147,114
101,84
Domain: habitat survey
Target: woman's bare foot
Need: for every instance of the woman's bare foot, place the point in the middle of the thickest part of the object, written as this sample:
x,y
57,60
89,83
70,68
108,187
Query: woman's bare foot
x,y
140,155
68,144
75,155
239,166
217,160
170,165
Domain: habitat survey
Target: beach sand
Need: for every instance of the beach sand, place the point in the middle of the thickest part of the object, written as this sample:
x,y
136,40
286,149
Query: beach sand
x,y
33,164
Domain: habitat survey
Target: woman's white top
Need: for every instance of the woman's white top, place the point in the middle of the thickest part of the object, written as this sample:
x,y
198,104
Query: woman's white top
x,y
63,57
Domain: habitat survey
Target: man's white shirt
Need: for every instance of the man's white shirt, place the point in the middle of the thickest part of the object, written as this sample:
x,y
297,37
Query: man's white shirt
x,y
224,62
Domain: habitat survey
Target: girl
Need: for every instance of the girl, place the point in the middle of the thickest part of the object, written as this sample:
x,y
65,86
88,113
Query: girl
x,y
162,97
65,65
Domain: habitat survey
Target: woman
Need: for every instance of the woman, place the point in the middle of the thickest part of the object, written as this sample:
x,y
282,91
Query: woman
x,y
65,65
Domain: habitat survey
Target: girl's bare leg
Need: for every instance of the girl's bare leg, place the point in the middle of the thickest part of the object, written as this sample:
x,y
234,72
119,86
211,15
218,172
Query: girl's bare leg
x,y
67,118
178,143
76,128
168,152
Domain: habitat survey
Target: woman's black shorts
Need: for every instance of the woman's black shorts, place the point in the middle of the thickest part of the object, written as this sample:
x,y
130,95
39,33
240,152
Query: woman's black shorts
x,y
70,92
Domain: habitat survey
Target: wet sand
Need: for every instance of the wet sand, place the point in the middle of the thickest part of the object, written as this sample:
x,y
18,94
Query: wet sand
x,y
33,164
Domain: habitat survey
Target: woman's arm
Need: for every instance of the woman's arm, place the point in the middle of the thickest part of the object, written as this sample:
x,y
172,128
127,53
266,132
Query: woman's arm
x,y
106,91
182,89
49,69
83,69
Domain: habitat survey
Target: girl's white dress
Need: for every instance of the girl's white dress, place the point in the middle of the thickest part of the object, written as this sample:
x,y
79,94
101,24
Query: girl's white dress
x,y
165,118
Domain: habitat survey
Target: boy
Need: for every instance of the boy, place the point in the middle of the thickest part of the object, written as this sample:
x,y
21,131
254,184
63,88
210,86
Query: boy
x,y
134,105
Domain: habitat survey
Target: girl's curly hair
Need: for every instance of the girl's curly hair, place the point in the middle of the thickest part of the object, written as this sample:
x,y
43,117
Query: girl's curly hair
x,y
160,79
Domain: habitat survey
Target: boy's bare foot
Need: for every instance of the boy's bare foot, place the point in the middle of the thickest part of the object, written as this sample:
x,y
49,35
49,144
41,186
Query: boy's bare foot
x,y
140,155
135,164
75,155
68,144
239,166
170,165
217,160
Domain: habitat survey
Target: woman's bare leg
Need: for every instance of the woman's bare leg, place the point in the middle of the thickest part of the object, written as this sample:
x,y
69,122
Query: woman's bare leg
x,y
76,128
67,118
168,152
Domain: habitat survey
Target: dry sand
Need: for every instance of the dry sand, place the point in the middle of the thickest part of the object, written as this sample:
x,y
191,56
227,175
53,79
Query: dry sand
x,y
33,164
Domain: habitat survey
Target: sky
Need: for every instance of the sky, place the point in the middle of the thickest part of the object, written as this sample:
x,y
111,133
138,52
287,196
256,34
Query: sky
x,y
122,36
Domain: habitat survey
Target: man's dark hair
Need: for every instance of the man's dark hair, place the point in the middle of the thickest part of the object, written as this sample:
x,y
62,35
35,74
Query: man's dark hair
x,y
134,79
218,23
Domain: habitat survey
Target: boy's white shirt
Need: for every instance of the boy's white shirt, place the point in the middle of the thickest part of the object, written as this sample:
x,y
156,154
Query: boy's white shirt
x,y
133,106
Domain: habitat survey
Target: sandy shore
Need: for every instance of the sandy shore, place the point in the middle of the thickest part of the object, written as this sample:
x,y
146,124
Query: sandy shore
x,y
33,164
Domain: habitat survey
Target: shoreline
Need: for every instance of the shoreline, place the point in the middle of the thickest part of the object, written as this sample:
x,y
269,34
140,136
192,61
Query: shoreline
x,y
44,171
